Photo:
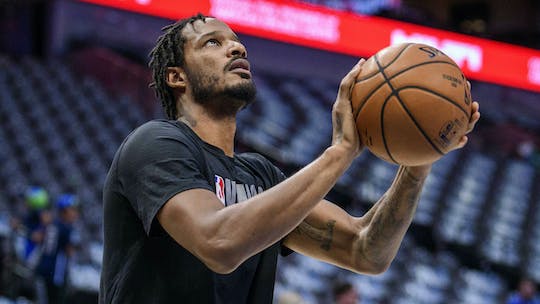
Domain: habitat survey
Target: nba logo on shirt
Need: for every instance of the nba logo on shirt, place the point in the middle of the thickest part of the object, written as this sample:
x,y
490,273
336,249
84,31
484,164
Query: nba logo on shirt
x,y
220,188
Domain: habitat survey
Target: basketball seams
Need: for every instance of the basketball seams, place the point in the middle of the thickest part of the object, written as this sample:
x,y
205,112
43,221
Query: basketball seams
x,y
430,90
396,93
381,118
467,114
390,63
382,128
355,115
407,45
366,77
418,125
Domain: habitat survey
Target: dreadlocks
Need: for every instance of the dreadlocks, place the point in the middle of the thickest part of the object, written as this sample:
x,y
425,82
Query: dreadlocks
x,y
169,52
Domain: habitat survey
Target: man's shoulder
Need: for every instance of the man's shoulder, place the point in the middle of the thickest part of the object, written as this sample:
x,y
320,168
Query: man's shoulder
x,y
157,129
156,140
157,126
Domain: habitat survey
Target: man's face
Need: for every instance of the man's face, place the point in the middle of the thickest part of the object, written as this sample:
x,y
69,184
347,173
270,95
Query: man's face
x,y
217,72
527,289
70,214
349,297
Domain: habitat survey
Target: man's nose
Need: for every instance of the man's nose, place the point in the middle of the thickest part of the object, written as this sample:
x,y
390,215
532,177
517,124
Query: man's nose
x,y
237,49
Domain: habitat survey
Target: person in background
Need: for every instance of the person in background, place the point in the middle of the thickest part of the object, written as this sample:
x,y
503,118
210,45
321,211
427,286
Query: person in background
x,y
290,297
38,215
56,249
345,293
21,248
525,294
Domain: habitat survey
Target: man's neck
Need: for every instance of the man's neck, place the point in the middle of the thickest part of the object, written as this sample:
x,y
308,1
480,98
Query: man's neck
x,y
217,132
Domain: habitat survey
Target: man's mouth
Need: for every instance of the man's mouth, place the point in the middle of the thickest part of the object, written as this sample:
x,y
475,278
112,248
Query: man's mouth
x,y
240,65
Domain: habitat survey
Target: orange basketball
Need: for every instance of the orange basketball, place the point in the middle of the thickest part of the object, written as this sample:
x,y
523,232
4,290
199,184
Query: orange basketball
x,y
411,103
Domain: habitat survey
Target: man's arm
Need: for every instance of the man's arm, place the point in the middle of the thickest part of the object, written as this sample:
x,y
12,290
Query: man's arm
x,y
367,244
223,238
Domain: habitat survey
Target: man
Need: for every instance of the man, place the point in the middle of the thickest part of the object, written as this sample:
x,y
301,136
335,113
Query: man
x,y
525,294
187,220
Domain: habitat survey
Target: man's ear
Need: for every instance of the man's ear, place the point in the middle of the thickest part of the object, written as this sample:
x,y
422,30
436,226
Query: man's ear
x,y
175,78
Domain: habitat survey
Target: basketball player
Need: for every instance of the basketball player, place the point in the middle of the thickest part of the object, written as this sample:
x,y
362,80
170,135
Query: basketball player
x,y
187,220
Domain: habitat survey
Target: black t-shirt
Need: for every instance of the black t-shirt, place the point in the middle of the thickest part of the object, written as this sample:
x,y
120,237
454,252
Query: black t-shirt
x,y
141,262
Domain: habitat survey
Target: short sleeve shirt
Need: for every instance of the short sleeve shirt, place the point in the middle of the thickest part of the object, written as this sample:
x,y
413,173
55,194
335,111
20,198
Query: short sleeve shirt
x,y
141,262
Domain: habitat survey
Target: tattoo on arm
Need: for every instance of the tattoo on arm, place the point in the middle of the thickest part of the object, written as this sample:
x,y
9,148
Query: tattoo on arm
x,y
392,217
323,236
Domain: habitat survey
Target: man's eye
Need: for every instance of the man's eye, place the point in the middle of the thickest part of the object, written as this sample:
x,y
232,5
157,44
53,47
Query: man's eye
x,y
212,42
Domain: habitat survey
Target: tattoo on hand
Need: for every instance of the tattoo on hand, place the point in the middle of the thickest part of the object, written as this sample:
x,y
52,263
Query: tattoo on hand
x,y
323,236
339,128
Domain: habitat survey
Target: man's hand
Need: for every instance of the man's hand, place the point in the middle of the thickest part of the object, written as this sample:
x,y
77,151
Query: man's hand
x,y
475,116
345,133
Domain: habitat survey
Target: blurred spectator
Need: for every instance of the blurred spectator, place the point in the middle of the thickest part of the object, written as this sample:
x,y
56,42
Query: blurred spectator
x,y
21,247
36,237
37,202
525,149
345,293
57,247
36,198
290,297
526,293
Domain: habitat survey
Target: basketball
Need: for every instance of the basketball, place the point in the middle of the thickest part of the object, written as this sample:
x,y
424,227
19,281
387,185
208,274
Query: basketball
x,y
411,104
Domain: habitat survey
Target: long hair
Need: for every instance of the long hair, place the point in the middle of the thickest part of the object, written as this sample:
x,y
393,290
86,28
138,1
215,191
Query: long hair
x,y
169,52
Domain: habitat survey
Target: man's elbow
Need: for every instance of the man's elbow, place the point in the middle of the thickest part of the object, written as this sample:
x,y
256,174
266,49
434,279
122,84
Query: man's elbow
x,y
380,267
219,257
372,267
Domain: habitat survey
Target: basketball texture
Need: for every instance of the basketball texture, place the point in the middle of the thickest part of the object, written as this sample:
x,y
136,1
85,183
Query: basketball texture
x,y
412,104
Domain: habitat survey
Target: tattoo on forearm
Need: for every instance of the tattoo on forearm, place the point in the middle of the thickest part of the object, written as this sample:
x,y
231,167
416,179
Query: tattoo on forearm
x,y
393,216
323,236
407,190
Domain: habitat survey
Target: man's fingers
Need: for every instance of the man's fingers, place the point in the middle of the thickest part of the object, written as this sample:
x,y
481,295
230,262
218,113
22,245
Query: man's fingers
x,y
475,107
348,81
474,117
357,67
462,142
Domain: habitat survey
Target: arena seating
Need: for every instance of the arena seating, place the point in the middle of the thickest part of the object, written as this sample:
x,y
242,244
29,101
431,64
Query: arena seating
x,y
60,131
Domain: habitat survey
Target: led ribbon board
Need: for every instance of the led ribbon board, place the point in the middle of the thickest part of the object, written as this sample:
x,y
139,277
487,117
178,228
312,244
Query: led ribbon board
x,y
347,33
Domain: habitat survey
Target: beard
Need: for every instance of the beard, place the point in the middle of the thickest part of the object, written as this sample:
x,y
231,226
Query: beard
x,y
220,103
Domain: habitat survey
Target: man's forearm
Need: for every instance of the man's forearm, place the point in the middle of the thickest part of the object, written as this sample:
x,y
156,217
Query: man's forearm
x,y
391,216
274,213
